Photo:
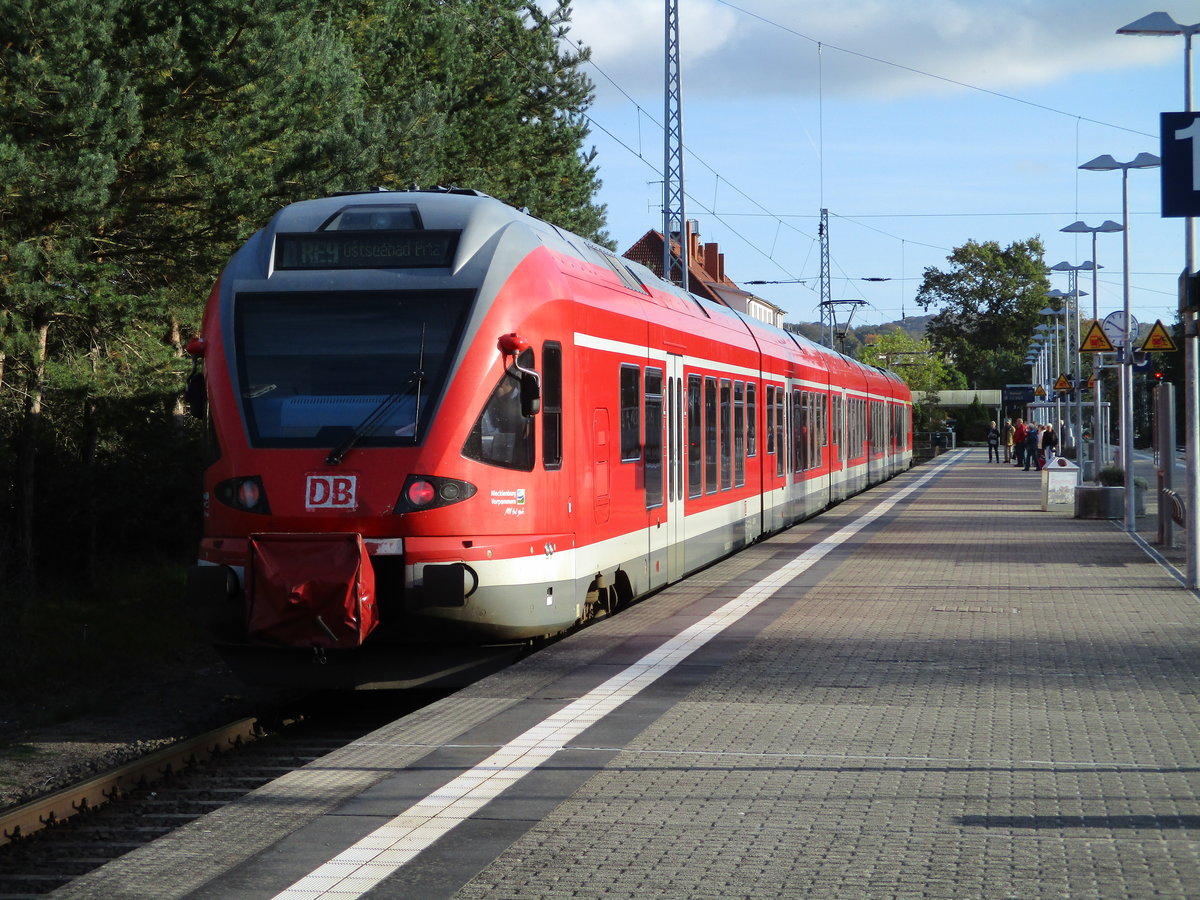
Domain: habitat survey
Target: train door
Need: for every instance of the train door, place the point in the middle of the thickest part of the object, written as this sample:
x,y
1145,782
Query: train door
x,y
675,487
664,492
600,452
794,429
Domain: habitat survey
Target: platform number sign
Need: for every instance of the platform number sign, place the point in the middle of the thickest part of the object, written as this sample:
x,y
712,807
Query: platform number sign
x,y
1180,140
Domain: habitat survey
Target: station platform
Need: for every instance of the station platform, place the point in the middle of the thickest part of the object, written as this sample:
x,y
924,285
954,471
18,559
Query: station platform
x,y
933,690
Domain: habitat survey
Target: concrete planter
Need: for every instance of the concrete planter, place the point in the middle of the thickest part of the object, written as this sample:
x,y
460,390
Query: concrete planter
x,y
1094,501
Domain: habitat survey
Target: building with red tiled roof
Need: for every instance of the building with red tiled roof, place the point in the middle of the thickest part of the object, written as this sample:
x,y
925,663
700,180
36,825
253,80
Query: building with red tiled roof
x,y
706,273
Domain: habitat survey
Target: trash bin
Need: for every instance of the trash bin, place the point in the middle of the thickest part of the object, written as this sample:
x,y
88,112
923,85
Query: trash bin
x,y
1058,485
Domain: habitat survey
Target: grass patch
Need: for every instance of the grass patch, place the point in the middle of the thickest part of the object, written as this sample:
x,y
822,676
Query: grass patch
x,y
18,751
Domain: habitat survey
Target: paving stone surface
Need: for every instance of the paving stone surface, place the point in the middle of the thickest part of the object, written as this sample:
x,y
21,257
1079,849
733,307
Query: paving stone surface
x,y
970,698
983,700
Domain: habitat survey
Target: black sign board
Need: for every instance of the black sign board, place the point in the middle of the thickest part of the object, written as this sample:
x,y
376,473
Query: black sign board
x,y
1017,394
365,249
1180,143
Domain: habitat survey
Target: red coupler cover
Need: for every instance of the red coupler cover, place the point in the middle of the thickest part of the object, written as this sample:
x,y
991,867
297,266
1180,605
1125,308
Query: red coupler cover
x,y
310,590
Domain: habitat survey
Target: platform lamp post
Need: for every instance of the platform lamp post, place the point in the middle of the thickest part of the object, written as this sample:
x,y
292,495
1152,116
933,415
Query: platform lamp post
x,y
1031,360
1032,356
1071,354
1108,226
1106,163
1054,330
1072,351
1041,337
1161,24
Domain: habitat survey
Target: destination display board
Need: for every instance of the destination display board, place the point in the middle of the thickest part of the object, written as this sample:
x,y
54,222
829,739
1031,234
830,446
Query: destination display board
x,y
365,249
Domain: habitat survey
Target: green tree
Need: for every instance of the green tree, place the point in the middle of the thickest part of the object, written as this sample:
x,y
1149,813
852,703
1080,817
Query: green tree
x,y
68,119
921,367
988,302
142,142
480,95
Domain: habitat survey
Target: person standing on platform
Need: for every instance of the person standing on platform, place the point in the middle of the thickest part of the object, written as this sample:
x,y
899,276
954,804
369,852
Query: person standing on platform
x,y
993,442
1031,448
1008,433
1049,444
1019,442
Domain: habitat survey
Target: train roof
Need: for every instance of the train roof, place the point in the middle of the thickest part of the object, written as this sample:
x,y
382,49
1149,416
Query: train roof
x,y
479,217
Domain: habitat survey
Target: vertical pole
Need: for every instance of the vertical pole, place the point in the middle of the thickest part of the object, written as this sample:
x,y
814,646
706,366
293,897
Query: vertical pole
x,y
1077,397
1191,365
826,293
1097,374
1164,404
1126,371
675,268
1061,327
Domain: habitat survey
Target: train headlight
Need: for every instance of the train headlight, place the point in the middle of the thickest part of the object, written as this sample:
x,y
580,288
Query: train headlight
x,y
430,491
420,493
244,494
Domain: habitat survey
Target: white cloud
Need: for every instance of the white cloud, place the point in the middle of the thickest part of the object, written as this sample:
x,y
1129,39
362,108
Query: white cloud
x,y
869,48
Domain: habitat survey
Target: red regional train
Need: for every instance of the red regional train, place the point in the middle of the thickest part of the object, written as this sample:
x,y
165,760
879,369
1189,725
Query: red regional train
x,y
440,429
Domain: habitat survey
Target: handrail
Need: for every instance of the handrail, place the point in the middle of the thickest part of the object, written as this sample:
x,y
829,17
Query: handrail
x,y
1178,507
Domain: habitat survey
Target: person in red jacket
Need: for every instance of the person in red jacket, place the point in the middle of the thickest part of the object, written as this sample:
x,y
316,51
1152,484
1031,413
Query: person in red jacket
x,y
1019,443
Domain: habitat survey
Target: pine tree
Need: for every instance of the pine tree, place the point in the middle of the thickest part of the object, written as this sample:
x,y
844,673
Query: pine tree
x,y
480,95
141,143
66,122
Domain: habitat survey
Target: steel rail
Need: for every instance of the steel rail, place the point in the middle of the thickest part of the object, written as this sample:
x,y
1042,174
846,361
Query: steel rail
x,y
47,811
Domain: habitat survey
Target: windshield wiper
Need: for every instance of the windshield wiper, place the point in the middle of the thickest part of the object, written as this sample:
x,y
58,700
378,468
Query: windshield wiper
x,y
379,413
376,417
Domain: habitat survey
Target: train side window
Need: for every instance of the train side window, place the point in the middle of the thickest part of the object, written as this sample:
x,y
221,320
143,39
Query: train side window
x,y
726,434
814,430
552,405
710,435
807,427
780,447
770,411
501,435
818,426
838,434
739,434
654,441
799,428
751,420
695,429
631,425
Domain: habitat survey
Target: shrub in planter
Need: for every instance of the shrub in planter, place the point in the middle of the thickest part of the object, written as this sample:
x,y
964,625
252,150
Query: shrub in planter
x,y
1114,476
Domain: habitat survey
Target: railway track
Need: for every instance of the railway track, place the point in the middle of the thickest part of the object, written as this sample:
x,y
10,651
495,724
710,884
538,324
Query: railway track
x,y
50,841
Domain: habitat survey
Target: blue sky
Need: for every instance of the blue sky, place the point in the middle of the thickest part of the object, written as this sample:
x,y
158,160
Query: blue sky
x,y
919,125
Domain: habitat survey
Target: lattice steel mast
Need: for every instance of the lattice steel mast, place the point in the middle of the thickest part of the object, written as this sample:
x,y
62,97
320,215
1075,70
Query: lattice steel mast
x,y
675,268
826,302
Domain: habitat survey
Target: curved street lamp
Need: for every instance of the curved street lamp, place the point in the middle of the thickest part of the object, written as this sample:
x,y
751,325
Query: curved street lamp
x,y
1108,226
1106,163
1159,23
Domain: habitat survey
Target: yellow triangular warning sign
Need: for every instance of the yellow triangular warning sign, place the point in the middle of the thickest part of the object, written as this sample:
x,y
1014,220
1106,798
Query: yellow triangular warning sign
x,y
1096,341
1159,339
1039,391
1062,384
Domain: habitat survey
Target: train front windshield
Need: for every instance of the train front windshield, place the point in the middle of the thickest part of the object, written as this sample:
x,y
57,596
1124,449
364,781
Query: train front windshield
x,y
315,369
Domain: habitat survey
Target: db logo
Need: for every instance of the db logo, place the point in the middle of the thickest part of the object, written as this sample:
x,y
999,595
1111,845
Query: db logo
x,y
331,492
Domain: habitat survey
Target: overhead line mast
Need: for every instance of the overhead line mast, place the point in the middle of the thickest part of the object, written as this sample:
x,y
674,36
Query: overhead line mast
x,y
826,301
675,268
